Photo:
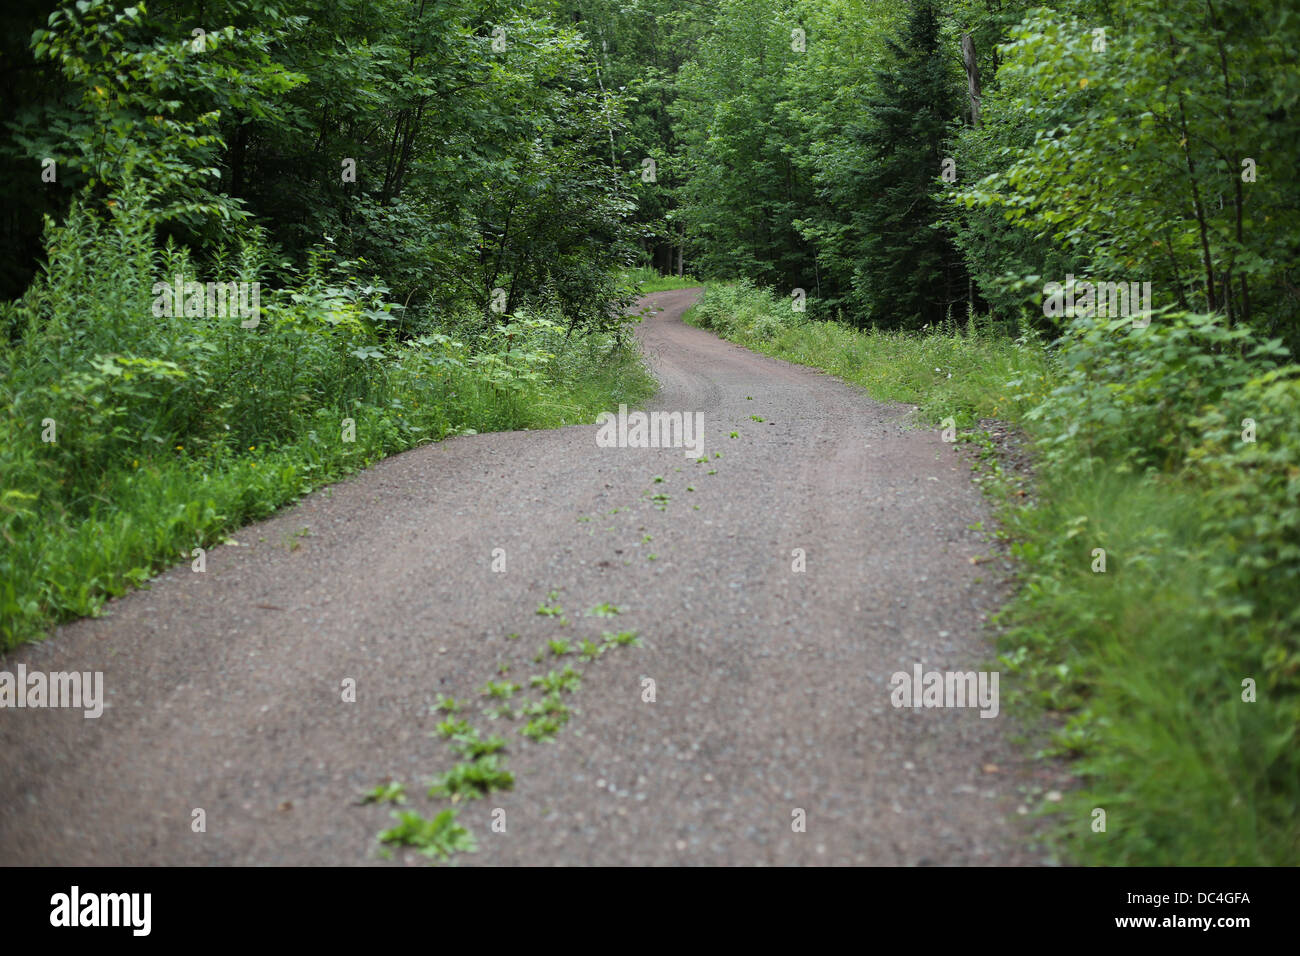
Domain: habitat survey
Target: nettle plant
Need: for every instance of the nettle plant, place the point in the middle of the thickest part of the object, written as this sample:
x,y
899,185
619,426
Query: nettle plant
x,y
1248,463
1131,395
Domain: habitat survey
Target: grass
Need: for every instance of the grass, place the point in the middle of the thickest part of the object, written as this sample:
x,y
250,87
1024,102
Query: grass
x,y
1147,686
961,371
647,280
1135,673
145,513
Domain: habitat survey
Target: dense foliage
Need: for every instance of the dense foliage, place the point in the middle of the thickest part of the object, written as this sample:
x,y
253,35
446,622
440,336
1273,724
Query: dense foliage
x,y
448,206
415,207
1124,142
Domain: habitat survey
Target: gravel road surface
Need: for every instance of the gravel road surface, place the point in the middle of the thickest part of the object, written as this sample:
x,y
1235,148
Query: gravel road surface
x,y
225,690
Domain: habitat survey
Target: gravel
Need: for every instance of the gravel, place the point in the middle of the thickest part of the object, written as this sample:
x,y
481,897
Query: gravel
x,y
772,696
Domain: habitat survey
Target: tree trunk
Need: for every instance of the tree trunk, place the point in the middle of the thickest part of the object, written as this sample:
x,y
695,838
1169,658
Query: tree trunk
x,y
972,76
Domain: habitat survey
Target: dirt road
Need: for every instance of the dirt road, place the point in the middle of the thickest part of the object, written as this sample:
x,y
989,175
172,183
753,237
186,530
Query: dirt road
x,y
225,690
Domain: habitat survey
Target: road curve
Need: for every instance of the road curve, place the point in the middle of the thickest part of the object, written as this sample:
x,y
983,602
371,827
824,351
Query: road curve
x,y
771,685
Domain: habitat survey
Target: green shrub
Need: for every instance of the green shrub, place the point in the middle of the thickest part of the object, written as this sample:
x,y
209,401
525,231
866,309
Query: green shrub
x,y
170,430
1132,395
1138,670
1248,465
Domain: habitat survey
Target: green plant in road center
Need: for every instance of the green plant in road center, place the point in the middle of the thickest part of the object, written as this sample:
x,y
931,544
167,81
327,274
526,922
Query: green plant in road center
x,y
453,728
551,705
542,729
552,609
568,680
471,781
448,705
438,837
472,747
622,639
390,792
501,690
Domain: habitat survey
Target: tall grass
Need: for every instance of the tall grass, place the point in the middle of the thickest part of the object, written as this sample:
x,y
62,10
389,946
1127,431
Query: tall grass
x,y
129,439
1137,670
1143,665
646,279
961,371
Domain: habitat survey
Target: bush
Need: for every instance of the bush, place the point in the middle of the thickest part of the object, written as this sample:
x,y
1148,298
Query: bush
x,y
1248,465
744,309
1140,452
169,430
1132,395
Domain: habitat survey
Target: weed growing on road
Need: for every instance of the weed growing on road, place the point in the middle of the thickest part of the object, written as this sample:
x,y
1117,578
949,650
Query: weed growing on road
x,y
542,729
390,792
447,705
453,728
622,639
470,781
481,768
437,838
472,747
502,690
568,680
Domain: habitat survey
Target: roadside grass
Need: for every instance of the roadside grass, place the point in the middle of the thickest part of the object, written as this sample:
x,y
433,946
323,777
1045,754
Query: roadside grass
x,y
647,279
150,513
961,371
1141,674
129,440
1136,671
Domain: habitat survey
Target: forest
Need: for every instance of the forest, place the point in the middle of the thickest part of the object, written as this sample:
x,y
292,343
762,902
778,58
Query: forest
x,y
250,247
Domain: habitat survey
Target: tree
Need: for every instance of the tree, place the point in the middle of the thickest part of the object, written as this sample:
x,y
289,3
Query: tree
x,y
906,272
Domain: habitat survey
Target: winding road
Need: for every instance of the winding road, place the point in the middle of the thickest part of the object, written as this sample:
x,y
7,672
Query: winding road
x,y
771,738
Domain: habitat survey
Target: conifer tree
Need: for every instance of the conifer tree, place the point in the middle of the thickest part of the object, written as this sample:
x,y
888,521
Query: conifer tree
x,y
906,271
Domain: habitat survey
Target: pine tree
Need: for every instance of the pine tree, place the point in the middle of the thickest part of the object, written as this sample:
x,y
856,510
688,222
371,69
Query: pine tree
x,y
907,272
